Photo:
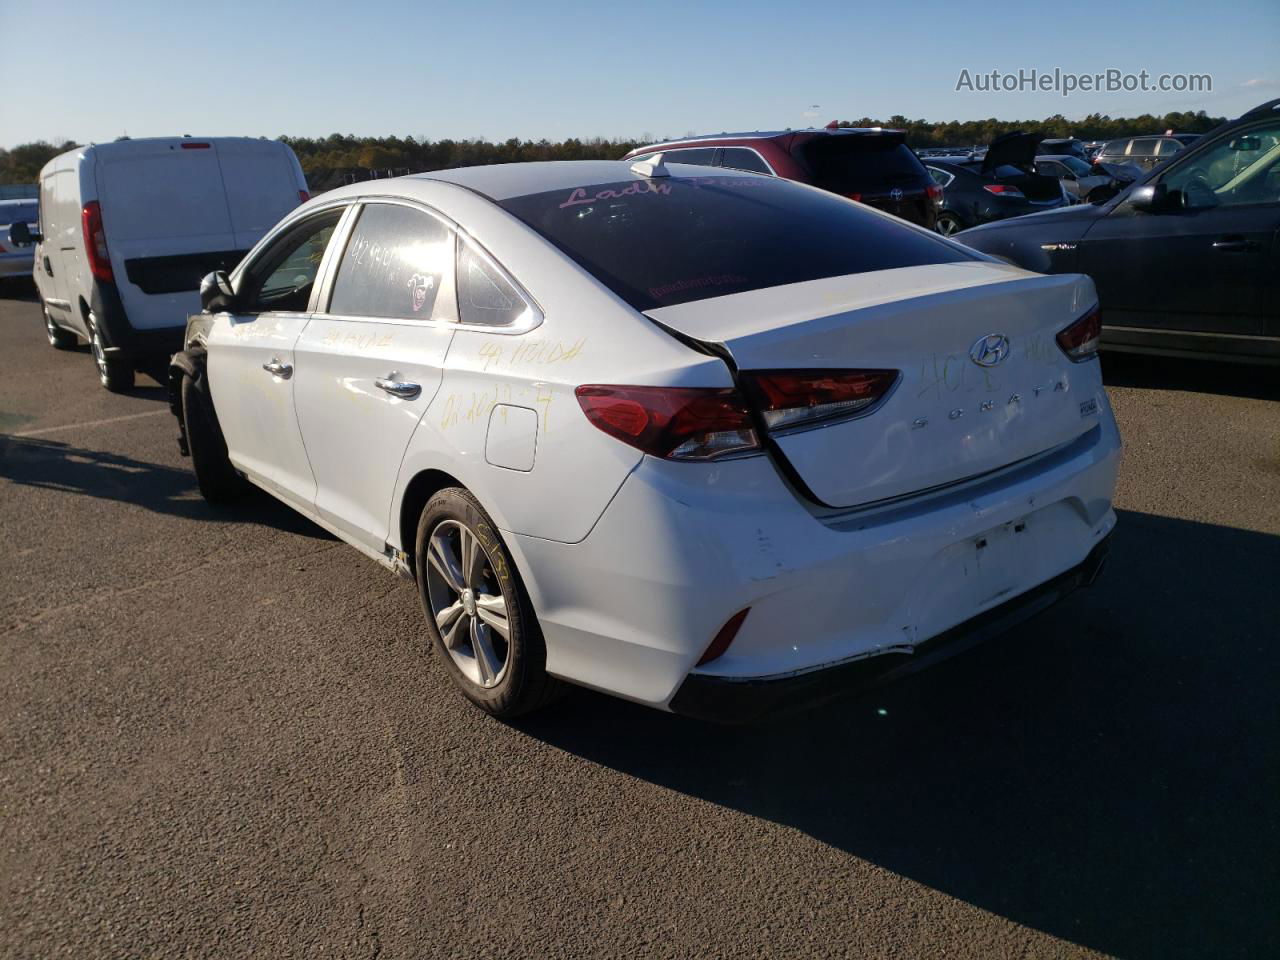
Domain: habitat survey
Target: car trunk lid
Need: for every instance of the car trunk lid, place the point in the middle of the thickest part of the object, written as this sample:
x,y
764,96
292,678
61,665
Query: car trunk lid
x,y
948,418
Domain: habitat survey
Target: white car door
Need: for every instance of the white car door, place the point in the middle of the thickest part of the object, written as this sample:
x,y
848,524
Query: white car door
x,y
251,358
369,364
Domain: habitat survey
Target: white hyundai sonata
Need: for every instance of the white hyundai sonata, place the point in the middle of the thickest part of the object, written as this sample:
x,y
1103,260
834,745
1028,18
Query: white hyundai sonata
x,y
715,442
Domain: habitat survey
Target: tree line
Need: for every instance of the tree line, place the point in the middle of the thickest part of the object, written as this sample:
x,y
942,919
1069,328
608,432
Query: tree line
x,y
340,158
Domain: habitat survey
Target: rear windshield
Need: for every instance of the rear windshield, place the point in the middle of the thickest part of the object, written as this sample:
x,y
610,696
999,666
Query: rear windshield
x,y
855,164
19,212
666,241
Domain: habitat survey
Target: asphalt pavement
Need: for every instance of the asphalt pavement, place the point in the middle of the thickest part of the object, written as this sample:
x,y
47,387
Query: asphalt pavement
x,y
222,735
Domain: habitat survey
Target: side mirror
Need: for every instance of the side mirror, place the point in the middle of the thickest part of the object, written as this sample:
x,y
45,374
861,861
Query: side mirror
x,y
216,293
20,234
1150,198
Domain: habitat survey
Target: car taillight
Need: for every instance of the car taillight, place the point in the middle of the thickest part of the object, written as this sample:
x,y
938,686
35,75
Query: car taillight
x,y
95,241
1080,340
934,191
1003,190
194,145
303,196
854,196
790,398
676,423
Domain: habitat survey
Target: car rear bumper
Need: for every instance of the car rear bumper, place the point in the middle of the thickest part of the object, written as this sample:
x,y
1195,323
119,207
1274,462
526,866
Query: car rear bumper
x,y
682,548
741,700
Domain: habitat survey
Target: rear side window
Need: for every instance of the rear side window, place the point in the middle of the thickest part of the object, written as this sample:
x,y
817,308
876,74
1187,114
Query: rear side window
x,y
856,164
702,155
1168,148
1116,148
1143,147
398,264
665,241
485,296
740,158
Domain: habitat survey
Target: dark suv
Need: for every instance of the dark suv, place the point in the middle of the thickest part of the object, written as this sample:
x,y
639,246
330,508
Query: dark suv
x,y
872,165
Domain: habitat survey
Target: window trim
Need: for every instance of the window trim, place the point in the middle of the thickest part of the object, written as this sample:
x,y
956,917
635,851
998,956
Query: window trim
x,y
262,251
340,241
951,177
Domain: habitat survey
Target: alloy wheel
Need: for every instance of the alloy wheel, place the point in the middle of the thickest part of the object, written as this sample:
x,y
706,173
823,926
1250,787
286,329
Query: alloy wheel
x,y
947,226
467,603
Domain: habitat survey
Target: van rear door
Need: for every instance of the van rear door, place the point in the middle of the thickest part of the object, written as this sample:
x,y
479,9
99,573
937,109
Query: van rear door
x,y
263,182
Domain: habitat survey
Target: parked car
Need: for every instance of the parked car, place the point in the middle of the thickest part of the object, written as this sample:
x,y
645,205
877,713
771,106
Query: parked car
x,y
1144,152
1069,146
127,229
711,441
1185,259
1082,181
1004,183
16,257
872,165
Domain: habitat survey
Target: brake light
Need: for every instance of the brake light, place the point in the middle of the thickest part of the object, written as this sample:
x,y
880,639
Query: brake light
x,y
303,196
934,191
1080,340
676,423
1003,190
854,196
194,145
725,637
95,241
790,398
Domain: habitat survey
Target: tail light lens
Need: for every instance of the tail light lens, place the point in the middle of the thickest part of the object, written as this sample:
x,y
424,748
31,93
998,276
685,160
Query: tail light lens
x,y
194,145
854,196
95,241
935,192
1080,340
676,423
303,197
791,398
1003,190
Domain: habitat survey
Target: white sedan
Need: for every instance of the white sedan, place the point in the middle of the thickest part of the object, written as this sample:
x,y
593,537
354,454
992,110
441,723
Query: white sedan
x,y
715,442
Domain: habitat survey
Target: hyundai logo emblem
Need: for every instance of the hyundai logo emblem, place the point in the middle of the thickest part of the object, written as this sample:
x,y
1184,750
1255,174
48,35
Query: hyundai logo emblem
x,y
895,194
989,350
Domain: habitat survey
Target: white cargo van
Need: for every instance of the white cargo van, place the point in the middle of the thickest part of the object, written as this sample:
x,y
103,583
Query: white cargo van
x,y
128,229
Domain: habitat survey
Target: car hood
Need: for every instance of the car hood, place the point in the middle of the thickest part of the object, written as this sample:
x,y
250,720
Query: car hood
x,y
1018,149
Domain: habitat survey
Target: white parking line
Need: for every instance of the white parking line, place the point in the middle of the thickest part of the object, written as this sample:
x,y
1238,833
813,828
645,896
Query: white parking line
x,y
89,423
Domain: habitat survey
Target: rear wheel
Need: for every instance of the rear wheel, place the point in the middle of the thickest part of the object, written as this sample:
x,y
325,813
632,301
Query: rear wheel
x,y
216,477
478,613
59,338
116,374
948,223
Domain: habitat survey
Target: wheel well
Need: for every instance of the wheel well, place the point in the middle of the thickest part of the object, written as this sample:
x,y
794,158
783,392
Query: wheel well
x,y
421,488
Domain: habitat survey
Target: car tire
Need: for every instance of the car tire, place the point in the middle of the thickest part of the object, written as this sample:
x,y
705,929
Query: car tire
x,y
216,477
115,374
948,223
59,338
466,604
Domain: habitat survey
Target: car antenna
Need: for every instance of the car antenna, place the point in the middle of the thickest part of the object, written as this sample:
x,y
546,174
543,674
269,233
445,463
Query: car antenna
x,y
653,167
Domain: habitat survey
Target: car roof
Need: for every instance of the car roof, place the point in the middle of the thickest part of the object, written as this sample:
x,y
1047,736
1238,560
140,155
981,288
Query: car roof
x,y
502,181
711,138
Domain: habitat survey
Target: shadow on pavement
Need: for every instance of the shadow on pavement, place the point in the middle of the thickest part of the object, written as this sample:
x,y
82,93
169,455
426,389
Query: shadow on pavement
x,y
1107,773
50,465
18,288
1252,381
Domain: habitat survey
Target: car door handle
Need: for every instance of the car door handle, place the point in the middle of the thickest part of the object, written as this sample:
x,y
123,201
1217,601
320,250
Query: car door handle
x,y
277,369
1232,245
398,388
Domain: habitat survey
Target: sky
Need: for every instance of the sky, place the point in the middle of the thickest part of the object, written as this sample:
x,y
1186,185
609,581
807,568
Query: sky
x,y
550,69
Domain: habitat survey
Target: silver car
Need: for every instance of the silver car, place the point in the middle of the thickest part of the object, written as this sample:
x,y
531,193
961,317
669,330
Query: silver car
x,y
16,259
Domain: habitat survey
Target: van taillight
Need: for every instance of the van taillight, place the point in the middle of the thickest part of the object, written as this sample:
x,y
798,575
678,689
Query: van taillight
x,y
303,196
95,241
194,145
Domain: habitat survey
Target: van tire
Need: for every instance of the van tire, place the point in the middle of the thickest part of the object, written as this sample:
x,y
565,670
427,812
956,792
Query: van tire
x,y
59,338
215,476
115,374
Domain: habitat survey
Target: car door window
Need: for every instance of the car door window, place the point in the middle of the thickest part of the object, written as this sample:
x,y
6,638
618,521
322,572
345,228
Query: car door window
x,y
702,155
940,177
282,278
1243,168
397,265
1167,148
740,158
1143,147
486,296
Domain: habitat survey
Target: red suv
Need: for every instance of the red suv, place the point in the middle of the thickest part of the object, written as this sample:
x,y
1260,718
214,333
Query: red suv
x,y
872,165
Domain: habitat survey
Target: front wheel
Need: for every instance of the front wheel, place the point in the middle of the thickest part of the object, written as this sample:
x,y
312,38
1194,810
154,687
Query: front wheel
x,y
478,614
115,374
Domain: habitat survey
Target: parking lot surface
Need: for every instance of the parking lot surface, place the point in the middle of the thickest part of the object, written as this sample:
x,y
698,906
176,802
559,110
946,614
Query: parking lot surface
x,y
221,734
